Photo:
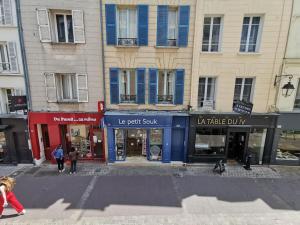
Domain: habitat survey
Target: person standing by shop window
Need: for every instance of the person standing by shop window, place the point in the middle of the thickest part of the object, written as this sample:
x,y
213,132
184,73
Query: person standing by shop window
x,y
73,156
7,196
58,155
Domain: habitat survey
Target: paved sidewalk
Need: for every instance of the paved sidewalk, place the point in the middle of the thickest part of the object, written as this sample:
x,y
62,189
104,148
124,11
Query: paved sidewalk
x,y
11,170
95,169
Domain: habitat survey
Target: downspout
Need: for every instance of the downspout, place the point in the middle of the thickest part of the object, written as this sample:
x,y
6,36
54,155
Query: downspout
x,y
102,50
25,71
24,60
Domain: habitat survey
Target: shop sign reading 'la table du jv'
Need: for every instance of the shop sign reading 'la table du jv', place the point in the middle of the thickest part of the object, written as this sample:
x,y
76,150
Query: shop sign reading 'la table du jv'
x,y
221,121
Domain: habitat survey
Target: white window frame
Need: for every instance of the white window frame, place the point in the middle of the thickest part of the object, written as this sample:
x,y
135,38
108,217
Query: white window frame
x,y
6,58
243,86
205,90
66,27
61,97
258,41
128,20
128,85
164,72
2,16
211,30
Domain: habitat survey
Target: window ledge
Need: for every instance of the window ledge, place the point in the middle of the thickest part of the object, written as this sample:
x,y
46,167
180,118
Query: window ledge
x,y
165,105
67,102
10,74
128,104
127,46
211,53
249,53
168,47
63,43
8,26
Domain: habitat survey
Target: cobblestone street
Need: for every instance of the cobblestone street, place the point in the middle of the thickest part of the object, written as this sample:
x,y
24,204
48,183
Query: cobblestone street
x,y
123,194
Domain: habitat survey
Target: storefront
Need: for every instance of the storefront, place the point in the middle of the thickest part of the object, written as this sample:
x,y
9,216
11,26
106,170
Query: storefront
x,y
73,130
153,136
14,139
288,139
231,137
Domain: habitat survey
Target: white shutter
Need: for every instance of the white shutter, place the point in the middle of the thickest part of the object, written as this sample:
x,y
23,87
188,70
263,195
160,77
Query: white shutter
x,y
13,61
82,88
50,87
44,25
78,26
8,20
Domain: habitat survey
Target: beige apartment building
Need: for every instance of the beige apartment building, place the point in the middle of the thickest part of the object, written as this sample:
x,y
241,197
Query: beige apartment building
x,y
238,50
64,54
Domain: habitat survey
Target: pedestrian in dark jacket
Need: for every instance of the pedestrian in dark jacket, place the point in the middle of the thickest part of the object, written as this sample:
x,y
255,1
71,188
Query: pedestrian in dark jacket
x,y
58,155
73,156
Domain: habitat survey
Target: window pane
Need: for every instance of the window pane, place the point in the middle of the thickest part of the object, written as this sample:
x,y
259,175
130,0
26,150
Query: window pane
x,y
132,26
132,83
156,144
289,145
172,24
215,37
244,38
205,39
247,93
246,20
207,20
161,83
201,91
70,28
238,80
210,141
217,21
60,28
122,23
248,80
65,87
74,86
210,89
297,99
237,89
256,20
123,82
256,144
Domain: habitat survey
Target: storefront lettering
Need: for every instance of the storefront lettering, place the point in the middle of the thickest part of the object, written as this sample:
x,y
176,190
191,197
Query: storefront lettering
x,y
138,122
219,121
73,119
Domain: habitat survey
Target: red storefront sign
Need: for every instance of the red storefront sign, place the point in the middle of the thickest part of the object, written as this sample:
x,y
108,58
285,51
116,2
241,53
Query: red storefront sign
x,y
53,121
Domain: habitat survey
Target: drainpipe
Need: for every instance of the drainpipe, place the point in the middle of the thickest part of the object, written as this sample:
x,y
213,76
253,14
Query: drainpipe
x,y
102,50
24,60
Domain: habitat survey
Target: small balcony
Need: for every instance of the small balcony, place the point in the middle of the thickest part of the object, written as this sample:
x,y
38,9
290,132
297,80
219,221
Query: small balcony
x,y
127,41
4,66
128,98
165,99
172,42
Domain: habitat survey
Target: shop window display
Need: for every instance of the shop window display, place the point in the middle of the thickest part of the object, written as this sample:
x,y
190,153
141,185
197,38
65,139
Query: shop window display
x,y
289,145
156,144
119,144
210,141
2,146
256,144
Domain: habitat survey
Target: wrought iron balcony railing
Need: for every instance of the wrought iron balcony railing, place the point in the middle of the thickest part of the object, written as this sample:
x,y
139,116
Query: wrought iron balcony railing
x,y
127,41
128,98
165,99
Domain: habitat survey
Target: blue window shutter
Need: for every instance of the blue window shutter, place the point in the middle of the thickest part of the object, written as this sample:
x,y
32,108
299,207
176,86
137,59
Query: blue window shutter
x,y
140,85
152,86
111,28
143,25
183,26
114,85
162,25
179,87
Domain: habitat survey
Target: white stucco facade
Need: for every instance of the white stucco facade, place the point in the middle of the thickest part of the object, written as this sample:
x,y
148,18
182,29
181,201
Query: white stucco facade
x,y
11,67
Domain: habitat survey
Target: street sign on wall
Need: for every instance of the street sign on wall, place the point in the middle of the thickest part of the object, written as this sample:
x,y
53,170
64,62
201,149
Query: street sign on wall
x,y
17,103
242,107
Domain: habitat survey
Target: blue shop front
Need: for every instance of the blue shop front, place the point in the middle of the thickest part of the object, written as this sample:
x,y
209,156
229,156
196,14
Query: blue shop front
x,y
154,136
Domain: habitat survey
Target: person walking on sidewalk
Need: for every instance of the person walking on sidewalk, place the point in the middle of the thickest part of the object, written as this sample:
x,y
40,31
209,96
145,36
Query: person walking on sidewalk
x,y
73,156
58,154
7,196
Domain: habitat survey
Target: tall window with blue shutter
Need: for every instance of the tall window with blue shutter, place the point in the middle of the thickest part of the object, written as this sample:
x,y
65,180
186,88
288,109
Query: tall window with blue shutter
x,y
179,87
172,25
153,86
127,85
126,25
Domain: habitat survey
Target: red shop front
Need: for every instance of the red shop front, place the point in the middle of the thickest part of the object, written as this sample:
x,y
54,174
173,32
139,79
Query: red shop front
x,y
79,130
